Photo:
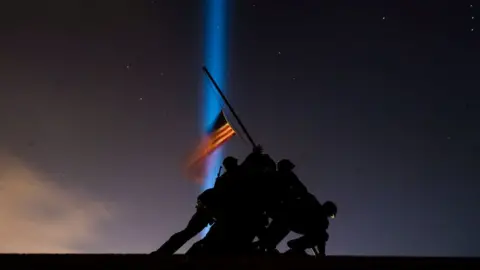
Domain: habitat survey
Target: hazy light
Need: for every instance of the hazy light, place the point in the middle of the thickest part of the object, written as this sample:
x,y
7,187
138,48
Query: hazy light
x,y
215,61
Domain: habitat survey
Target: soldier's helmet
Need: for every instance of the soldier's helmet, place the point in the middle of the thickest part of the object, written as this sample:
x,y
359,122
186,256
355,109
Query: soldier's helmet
x,y
230,163
285,165
330,209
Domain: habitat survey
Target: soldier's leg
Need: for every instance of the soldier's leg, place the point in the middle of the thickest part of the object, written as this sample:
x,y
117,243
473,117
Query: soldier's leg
x,y
208,245
196,249
317,241
321,243
300,243
197,223
273,234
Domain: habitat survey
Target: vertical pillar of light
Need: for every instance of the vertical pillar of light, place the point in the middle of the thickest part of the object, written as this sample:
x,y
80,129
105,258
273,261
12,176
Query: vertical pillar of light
x,y
215,39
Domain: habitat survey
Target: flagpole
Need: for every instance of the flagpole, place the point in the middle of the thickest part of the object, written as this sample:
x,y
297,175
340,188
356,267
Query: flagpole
x,y
229,106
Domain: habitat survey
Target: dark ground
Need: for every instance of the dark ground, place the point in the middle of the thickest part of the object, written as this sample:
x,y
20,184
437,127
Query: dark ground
x,y
140,261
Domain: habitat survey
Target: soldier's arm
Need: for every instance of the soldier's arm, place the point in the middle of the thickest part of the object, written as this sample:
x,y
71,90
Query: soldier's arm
x,y
218,182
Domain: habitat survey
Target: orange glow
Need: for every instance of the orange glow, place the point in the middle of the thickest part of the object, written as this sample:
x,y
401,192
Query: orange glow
x,y
196,163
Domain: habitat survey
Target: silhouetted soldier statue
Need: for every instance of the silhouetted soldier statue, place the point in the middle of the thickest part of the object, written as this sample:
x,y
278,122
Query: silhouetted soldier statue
x,y
313,227
293,208
233,174
209,207
201,219
284,191
242,195
289,180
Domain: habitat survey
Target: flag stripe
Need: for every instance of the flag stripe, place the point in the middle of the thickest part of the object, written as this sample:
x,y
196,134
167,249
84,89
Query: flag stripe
x,y
220,133
223,137
210,146
214,141
216,133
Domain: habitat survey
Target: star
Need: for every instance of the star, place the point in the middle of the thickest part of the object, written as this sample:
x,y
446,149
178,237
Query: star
x,y
384,18
448,138
279,53
140,99
471,30
128,66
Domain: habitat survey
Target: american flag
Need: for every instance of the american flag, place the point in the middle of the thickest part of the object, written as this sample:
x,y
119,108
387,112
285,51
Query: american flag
x,y
219,133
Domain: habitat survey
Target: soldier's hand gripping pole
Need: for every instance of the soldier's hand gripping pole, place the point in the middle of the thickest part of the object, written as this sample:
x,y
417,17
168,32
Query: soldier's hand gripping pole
x,y
229,106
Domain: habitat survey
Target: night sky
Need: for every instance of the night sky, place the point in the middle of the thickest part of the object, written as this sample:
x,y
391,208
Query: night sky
x,y
376,102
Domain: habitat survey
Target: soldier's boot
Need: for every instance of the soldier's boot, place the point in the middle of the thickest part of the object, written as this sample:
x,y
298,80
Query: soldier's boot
x,y
317,244
300,243
319,250
296,252
320,244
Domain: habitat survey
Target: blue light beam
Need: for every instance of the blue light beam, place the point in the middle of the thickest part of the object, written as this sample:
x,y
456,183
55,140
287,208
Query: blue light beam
x,y
215,38
215,59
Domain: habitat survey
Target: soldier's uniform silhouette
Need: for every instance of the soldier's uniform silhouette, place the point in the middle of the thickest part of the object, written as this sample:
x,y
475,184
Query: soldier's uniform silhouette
x,y
209,208
313,226
289,180
284,191
294,209
203,217
240,203
242,215
230,164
